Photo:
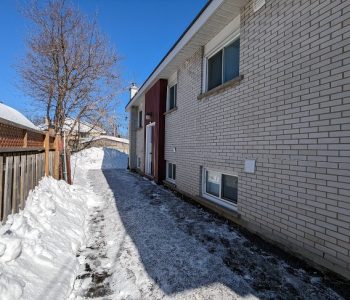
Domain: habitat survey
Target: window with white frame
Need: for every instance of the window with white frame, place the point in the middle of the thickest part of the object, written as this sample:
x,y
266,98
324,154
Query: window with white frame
x,y
217,185
223,65
171,172
172,96
139,162
171,99
139,121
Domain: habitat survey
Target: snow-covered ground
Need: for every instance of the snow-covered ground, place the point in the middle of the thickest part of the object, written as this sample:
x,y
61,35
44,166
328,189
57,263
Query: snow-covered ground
x,y
99,158
146,243
38,245
115,235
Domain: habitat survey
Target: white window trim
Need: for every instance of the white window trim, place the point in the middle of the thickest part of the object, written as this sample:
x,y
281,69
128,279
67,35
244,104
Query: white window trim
x,y
206,60
138,118
225,37
171,82
167,169
139,162
210,197
168,97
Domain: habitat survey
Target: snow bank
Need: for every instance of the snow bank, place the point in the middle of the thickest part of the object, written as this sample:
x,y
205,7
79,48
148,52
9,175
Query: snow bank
x,y
38,245
99,158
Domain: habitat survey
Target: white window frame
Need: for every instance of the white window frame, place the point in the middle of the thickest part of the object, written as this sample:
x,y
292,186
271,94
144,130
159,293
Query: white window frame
x,y
223,62
139,120
167,169
227,36
139,162
168,97
171,82
211,197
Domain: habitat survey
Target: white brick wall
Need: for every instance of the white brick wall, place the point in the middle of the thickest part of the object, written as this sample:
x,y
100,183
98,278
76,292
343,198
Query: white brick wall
x,y
291,113
140,139
136,137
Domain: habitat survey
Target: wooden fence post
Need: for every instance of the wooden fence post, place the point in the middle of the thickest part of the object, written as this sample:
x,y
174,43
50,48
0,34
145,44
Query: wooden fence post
x,y
25,140
47,150
56,167
23,193
1,189
15,183
8,186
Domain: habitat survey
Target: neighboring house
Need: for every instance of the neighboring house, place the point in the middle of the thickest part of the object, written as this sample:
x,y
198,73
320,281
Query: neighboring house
x,y
107,141
79,129
249,114
9,114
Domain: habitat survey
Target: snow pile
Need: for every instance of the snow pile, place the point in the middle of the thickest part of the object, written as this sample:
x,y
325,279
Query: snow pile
x,y
99,158
38,245
12,115
107,137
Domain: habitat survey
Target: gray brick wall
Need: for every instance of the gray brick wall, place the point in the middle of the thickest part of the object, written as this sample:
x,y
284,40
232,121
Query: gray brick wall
x,y
132,138
140,138
136,138
291,113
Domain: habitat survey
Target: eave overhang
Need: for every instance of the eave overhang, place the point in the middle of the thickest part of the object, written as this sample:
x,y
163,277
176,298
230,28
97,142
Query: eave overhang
x,y
215,15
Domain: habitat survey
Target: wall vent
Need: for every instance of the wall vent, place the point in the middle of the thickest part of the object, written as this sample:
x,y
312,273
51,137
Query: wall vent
x,y
258,4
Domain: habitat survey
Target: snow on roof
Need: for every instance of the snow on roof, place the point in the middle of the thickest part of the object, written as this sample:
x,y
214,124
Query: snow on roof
x,y
10,114
108,137
80,126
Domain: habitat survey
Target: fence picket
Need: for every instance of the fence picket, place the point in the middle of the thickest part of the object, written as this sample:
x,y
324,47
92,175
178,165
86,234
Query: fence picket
x,y
33,171
15,184
1,187
23,194
29,173
8,186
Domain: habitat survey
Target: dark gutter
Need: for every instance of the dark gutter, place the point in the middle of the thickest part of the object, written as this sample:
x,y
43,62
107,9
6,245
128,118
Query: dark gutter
x,y
172,48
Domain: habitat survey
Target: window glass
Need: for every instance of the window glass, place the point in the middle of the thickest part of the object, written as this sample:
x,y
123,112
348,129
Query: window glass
x,y
215,70
212,183
172,96
170,170
231,61
138,162
174,172
229,188
140,118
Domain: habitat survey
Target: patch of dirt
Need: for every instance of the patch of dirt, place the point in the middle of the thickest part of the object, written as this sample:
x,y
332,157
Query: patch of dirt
x,y
94,253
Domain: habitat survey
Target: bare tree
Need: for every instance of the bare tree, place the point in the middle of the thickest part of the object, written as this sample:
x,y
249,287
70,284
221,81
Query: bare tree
x,y
70,69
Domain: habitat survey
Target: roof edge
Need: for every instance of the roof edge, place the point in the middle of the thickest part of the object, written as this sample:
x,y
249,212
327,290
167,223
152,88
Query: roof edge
x,y
170,50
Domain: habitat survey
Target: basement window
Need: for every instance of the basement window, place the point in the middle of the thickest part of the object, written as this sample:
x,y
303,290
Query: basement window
x,y
223,65
219,186
139,162
171,172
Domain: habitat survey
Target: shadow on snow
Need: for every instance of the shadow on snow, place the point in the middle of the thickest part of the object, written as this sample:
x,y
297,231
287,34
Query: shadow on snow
x,y
184,247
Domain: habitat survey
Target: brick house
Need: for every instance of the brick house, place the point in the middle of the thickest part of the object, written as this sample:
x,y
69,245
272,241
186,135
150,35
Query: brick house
x,y
249,114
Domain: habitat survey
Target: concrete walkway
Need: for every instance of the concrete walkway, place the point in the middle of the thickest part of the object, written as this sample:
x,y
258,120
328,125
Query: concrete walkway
x,y
149,244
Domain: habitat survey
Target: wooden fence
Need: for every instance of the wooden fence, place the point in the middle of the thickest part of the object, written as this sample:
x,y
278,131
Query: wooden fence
x,y
26,155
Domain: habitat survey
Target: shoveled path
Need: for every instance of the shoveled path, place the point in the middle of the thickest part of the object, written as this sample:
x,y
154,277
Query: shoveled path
x,y
149,244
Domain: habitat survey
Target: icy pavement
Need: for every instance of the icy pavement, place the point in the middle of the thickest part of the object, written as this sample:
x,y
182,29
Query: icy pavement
x,y
146,243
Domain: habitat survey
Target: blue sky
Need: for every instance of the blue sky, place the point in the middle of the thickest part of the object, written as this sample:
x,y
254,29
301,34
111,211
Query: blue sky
x,y
141,30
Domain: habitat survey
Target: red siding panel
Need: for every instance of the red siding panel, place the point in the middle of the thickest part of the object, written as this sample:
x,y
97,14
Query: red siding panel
x,y
155,104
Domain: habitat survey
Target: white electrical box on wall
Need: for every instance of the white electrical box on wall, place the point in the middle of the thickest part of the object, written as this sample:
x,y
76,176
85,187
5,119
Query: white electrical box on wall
x,y
249,166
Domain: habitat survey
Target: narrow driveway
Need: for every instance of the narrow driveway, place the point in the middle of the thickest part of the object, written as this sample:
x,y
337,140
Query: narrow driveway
x,y
149,244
